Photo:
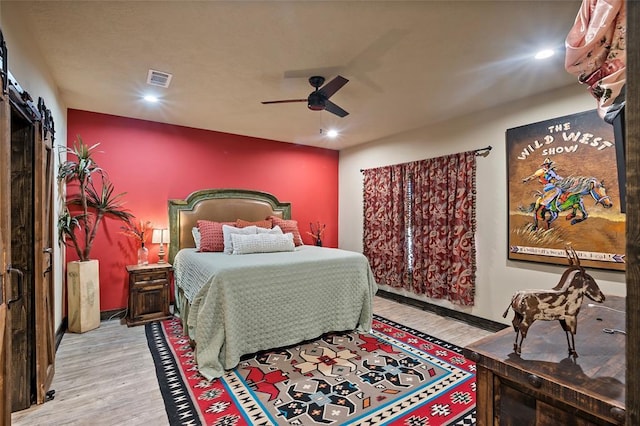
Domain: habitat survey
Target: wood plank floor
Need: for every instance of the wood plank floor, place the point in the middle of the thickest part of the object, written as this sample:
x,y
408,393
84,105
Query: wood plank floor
x,y
107,376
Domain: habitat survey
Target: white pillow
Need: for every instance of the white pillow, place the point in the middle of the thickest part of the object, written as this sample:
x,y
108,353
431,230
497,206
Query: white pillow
x,y
262,243
196,237
228,230
275,230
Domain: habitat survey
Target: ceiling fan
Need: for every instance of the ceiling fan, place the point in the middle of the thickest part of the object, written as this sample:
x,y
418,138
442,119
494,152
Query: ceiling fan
x,y
318,100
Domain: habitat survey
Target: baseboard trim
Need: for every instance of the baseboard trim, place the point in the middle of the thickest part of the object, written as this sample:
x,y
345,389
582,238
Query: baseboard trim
x,y
473,320
60,332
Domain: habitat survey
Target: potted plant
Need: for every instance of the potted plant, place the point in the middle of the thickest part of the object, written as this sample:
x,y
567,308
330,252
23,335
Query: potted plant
x,y
92,199
316,232
140,232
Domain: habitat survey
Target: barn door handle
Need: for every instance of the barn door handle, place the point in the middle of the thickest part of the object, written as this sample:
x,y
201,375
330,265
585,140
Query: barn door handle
x,y
48,251
20,283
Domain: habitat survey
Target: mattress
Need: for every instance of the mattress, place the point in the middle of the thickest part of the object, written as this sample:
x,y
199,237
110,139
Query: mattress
x,y
242,304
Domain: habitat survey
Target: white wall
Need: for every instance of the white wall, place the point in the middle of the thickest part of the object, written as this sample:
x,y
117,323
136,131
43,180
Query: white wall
x,y
496,278
31,73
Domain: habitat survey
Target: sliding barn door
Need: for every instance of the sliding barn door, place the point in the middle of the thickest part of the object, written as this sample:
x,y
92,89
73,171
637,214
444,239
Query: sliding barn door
x,y
5,257
31,187
43,251
21,312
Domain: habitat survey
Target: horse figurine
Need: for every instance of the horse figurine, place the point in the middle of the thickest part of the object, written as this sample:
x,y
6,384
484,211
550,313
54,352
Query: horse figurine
x,y
572,190
561,303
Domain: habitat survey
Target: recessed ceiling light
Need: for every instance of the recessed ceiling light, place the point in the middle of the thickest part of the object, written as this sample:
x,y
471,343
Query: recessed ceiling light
x,y
543,54
332,133
150,98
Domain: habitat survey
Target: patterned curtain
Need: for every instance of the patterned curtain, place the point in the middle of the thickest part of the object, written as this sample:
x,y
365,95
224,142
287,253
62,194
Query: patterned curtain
x,y
385,225
443,236
419,226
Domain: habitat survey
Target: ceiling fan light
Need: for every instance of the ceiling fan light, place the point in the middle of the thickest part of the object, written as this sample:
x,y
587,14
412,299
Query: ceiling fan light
x,y
315,102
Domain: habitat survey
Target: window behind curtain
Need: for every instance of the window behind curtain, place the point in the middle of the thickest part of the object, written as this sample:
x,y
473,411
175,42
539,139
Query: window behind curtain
x,y
419,226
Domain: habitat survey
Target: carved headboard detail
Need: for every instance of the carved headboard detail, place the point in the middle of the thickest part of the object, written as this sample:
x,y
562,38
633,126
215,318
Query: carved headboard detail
x,y
219,205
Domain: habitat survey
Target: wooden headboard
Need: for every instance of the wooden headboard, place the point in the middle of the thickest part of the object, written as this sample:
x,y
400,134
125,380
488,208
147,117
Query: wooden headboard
x,y
219,205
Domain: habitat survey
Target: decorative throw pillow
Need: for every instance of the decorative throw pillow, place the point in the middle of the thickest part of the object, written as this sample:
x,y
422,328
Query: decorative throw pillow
x,y
267,223
196,237
211,238
288,225
228,231
275,230
262,243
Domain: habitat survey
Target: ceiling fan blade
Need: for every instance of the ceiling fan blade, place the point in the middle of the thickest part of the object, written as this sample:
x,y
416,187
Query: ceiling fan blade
x,y
333,86
335,109
285,101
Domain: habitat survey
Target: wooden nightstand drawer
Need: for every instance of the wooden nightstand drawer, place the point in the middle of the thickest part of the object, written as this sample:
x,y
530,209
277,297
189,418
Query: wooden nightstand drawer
x,y
145,278
149,296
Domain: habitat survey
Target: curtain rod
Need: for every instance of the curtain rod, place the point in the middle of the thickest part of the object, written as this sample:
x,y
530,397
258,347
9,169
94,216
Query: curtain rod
x,y
483,152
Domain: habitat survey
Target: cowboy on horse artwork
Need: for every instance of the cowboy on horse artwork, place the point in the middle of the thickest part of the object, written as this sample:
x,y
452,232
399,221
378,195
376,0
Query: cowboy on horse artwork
x,y
556,175
563,194
548,177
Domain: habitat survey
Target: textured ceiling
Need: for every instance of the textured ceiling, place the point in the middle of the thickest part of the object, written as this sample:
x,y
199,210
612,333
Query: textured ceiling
x,y
410,64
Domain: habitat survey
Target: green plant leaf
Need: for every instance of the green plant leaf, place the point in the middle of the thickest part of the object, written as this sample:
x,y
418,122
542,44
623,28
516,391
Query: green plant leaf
x,y
96,200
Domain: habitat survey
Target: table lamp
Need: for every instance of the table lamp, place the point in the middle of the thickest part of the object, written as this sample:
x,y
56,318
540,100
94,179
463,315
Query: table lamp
x,y
160,236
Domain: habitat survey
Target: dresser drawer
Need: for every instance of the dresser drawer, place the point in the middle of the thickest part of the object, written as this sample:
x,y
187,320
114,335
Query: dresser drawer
x,y
148,277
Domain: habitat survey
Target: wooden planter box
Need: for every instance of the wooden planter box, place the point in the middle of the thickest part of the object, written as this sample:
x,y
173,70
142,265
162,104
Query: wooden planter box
x,y
83,296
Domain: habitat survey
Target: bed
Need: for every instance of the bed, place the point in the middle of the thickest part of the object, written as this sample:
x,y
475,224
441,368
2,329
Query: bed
x,y
233,305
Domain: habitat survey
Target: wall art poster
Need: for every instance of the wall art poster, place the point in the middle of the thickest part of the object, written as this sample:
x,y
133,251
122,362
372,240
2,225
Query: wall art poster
x,y
563,190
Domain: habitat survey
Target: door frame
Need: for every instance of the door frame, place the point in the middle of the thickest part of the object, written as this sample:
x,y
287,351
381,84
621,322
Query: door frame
x,y
5,239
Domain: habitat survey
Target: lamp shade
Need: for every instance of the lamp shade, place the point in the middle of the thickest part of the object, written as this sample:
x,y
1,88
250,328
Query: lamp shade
x,y
160,236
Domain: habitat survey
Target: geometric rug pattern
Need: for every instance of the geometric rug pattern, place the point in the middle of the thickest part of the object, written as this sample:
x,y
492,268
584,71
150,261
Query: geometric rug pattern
x,y
392,376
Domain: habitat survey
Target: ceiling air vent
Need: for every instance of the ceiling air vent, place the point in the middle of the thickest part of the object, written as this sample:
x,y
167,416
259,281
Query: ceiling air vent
x,y
159,78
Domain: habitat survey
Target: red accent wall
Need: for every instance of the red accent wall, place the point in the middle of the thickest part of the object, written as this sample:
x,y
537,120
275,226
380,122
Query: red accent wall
x,y
153,162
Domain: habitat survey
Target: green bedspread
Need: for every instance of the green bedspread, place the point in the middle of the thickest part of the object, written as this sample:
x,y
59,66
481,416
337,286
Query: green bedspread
x,y
241,304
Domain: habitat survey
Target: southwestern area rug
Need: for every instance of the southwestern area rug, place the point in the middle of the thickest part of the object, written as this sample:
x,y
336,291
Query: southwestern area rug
x,y
392,376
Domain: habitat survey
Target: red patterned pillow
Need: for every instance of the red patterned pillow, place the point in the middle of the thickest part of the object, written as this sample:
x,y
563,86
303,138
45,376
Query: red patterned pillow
x,y
211,238
267,223
288,226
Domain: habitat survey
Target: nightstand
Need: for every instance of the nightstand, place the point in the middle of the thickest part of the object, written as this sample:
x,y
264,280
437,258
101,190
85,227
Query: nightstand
x,y
148,293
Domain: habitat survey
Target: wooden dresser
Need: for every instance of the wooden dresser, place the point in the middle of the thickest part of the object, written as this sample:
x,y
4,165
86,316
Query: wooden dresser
x,y
543,386
149,293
